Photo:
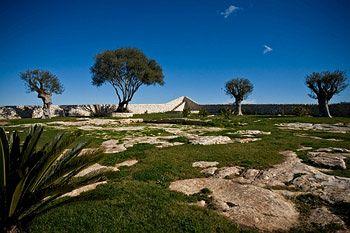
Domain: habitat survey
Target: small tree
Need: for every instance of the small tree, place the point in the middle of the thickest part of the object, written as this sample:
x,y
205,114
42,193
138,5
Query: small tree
x,y
44,84
324,86
239,88
126,69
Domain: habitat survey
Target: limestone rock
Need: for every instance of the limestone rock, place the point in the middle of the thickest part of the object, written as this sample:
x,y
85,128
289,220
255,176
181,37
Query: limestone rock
x,y
245,204
127,163
228,172
209,171
246,140
83,189
210,140
334,128
96,168
112,146
252,132
204,164
333,150
333,160
322,216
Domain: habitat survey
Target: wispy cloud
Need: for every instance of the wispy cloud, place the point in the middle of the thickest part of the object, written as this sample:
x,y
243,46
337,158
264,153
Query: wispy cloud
x,y
227,12
267,49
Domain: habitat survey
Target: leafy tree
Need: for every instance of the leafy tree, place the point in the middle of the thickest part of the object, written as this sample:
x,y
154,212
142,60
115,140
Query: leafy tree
x,y
32,180
44,84
126,69
239,88
324,86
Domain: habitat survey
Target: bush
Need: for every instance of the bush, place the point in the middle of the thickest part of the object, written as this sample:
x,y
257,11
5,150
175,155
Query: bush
x,y
203,112
32,178
226,112
186,112
302,110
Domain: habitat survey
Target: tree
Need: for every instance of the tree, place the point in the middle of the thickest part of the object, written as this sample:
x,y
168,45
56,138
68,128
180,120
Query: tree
x,y
324,86
32,180
239,88
44,84
126,69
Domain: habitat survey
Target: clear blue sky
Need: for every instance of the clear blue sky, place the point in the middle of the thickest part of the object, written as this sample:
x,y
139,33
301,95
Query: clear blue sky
x,y
199,44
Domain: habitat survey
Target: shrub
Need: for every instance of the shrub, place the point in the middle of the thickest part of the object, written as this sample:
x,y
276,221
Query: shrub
x,y
186,112
203,112
226,112
302,110
31,180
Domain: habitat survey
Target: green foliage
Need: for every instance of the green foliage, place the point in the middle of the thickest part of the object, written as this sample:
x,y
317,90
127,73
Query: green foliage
x,y
126,69
31,179
239,88
203,112
226,112
186,112
181,139
42,82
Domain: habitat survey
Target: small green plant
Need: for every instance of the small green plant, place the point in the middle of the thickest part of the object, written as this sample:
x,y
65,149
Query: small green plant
x,y
181,139
186,112
31,179
203,112
226,112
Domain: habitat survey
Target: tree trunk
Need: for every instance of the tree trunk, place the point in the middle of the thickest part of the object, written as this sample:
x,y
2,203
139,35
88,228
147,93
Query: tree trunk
x,y
46,98
239,108
323,108
122,106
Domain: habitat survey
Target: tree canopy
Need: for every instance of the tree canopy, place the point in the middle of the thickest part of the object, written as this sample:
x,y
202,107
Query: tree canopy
x,y
239,88
126,69
42,82
326,84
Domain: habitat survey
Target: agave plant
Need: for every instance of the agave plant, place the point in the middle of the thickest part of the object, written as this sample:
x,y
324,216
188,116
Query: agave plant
x,y
32,179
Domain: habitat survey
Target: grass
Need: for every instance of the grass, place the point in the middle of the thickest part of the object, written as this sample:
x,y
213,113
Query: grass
x,y
137,198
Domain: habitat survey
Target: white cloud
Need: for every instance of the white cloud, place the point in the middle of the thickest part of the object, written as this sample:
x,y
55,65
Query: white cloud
x,y
267,49
226,13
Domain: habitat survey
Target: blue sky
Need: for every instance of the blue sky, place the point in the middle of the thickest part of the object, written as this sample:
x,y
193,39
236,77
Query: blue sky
x,y
199,44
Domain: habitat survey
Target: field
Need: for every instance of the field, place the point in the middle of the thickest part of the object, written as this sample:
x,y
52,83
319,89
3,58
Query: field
x,y
137,198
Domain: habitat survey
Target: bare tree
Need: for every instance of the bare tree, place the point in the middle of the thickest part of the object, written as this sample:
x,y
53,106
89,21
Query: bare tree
x,y
126,69
324,86
44,84
239,88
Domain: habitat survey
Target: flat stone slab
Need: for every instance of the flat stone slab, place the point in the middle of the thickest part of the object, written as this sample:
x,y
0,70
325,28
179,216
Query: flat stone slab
x,y
209,170
332,160
112,146
246,140
83,189
210,140
225,172
334,128
245,204
204,164
252,132
127,163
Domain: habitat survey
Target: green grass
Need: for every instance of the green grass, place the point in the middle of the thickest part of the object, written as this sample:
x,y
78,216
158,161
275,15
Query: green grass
x,y
131,206
137,198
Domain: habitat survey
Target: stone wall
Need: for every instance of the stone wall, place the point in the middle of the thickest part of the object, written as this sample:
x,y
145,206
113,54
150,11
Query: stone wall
x,y
341,109
16,112
13,112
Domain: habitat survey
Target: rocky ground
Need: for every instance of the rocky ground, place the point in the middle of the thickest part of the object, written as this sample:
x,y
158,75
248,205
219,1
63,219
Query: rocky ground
x,y
271,199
